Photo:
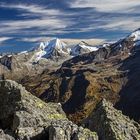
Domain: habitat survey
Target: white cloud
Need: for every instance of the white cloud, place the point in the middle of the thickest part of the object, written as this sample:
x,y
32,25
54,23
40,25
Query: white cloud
x,y
33,9
127,25
112,23
33,39
108,5
70,41
43,25
2,39
54,21
47,20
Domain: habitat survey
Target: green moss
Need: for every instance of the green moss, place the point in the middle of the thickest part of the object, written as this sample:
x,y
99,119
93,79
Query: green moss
x,y
39,103
56,116
90,133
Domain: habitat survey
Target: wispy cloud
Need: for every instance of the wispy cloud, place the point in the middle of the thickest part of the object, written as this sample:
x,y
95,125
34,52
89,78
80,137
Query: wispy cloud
x,y
48,19
2,39
107,5
69,41
33,39
55,21
115,23
122,15
33,9
127,24
51,23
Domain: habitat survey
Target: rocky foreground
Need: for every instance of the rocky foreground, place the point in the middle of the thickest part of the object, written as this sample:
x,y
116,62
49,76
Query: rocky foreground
x,y
111,124
25,117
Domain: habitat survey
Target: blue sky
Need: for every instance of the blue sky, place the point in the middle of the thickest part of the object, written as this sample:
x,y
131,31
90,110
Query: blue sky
x,y
24,23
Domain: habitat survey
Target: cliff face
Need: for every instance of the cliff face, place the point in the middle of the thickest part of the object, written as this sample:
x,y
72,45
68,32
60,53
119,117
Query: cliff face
x,y
24,116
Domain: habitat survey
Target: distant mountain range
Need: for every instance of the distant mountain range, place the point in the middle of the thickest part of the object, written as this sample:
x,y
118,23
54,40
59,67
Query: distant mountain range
x,y
54,52
56,49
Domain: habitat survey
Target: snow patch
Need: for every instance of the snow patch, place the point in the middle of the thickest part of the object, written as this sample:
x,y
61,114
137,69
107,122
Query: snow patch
x,y
39,55
84,47
23,52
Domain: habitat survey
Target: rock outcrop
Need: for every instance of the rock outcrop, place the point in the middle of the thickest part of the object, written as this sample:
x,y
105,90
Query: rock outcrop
x,y
25,117
111,124
66,130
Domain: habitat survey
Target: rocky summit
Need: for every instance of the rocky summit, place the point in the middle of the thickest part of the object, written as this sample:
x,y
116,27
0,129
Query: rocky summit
x,y
111,124
25,117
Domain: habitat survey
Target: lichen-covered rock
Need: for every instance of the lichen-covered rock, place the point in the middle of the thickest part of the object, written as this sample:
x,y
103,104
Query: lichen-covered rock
x,y
27,117
111,124
66,130
24,113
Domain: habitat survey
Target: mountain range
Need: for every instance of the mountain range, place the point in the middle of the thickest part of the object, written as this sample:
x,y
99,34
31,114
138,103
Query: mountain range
x,y
56,49
96,86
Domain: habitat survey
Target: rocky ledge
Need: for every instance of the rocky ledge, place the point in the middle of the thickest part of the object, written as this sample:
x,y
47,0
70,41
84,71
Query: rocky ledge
x,y
25,117
111,124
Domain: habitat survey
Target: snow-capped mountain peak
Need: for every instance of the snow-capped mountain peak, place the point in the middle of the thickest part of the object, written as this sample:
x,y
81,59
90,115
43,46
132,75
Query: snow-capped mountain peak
x,y
55,47
56,44
51,49
136,35
82,48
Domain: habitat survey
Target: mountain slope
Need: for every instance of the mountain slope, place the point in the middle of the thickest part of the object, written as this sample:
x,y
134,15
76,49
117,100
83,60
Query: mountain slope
x,y
84,80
